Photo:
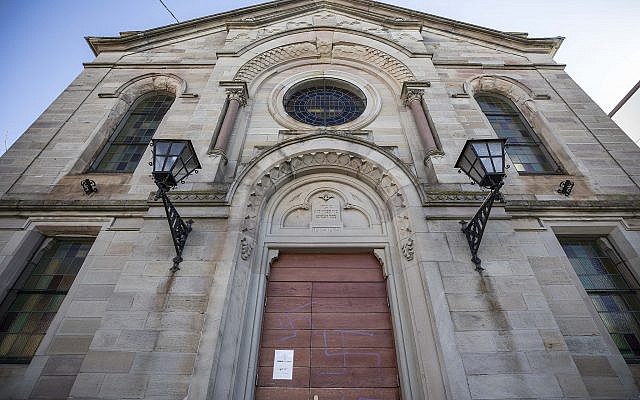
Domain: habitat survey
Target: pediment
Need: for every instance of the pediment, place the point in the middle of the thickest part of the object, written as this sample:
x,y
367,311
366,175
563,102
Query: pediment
x,y
383,20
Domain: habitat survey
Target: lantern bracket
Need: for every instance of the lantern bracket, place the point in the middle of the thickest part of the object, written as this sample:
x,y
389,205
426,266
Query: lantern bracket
x,y
179,228
474,229
173,161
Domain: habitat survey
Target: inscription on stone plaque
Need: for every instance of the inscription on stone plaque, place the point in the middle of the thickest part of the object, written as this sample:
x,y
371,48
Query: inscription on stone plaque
x,y
325,213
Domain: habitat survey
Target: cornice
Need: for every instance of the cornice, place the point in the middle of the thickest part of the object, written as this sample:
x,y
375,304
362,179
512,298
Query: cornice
x,y
446,198
74,205
151,65
258,15
193,198
631,205
531,66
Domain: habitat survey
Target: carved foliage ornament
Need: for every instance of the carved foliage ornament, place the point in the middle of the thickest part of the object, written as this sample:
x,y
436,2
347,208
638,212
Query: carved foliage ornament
x,y
373,174
245,249
407,249
364,54
237,94
413,95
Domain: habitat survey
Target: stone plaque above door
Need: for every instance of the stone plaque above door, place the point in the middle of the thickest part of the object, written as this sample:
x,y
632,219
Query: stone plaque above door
x,y
326,206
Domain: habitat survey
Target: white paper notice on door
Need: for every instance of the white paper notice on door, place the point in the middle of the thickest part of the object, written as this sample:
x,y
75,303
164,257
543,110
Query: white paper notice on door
x,y
283,364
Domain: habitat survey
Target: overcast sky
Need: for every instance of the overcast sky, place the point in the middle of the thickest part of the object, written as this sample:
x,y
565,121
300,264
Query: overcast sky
x,y
43,44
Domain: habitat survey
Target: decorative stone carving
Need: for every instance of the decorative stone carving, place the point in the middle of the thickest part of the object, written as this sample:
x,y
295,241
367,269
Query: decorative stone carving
x,y
459,197
376,57
279,55
407,249
245,249
139,85
237,94
366,170
413,95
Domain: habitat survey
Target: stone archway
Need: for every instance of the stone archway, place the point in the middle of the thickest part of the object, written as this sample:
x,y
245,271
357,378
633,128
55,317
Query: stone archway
x,y
259,187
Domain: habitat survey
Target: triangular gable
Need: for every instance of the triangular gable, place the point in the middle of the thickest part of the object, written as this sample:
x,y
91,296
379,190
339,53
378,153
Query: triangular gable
x,y
267,13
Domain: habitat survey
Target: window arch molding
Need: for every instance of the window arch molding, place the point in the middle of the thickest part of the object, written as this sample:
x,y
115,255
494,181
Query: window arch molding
x,y
524,100
124,98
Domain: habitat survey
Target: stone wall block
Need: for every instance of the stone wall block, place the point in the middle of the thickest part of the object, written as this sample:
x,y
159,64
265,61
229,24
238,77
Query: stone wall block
x,y
108,361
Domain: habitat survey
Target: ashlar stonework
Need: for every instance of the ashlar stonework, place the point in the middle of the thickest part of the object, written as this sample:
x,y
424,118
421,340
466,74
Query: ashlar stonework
x,y
274,188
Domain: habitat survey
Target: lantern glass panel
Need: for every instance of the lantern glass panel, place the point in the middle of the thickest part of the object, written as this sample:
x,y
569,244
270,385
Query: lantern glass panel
x,y
481,149
495,149
465,165
497,164
487,164
476,173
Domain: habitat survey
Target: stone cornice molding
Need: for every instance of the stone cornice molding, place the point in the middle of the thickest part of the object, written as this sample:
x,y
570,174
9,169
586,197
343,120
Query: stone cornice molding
x,y
444,198
216,197
632,205
266,13
92,206
280,55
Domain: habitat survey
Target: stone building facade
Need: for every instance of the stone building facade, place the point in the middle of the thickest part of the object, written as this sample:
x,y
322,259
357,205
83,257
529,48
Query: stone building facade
x,y
285,204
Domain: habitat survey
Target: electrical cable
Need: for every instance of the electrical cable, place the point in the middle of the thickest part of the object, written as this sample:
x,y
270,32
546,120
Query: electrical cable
x,y
167,8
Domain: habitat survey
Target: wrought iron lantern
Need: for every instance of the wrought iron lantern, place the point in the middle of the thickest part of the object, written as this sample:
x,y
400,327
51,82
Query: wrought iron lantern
x,y
484,162
173,161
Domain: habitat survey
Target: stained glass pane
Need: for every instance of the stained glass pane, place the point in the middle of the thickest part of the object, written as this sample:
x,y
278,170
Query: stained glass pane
x,y
32,306
326,102
614,298
125,149
524,148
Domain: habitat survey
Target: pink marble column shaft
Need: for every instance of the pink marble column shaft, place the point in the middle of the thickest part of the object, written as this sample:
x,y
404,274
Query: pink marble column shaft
x,y
414,102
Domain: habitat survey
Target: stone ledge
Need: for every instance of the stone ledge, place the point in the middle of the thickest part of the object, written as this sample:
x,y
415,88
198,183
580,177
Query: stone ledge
x,y
75,205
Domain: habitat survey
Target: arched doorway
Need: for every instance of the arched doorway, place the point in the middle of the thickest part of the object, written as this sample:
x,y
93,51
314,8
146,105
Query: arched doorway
x,y
326,327
373,204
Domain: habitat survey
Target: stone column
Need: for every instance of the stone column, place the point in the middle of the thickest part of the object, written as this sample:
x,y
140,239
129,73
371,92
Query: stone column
x,y
237,98
413,100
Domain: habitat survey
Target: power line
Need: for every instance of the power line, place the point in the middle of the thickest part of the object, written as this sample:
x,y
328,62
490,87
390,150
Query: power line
x,y
167,8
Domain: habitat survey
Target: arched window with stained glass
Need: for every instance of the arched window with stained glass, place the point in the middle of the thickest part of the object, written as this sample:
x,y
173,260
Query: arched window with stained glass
x,y
527,153
127,144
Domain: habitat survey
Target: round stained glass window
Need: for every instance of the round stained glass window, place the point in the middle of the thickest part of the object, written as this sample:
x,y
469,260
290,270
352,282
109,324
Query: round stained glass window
x,y
324,102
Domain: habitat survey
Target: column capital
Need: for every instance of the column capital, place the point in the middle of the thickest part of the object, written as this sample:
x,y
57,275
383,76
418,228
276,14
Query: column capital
x,y
236,90
237,94
412,91
412,95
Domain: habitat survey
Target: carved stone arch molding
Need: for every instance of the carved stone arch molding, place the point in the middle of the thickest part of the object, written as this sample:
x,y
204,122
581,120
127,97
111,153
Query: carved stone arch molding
x,y
362,53
139,85
525,99
125,96
250,248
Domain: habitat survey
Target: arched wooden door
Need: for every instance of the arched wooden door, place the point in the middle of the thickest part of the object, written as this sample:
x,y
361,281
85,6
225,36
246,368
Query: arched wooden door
x,y
327,329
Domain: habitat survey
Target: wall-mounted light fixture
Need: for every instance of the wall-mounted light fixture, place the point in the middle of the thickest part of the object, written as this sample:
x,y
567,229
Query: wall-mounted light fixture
x,y
565,187
483,161
89,186
173,161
